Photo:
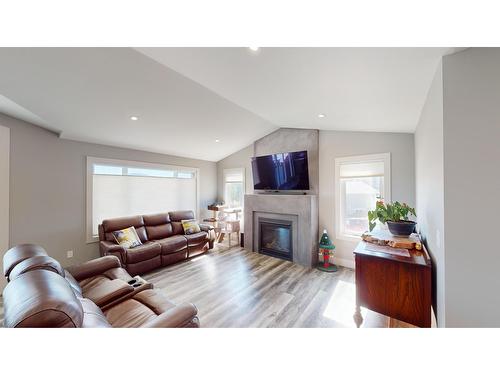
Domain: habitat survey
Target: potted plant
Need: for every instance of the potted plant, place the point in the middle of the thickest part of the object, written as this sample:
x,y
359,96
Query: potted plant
x,y
395,215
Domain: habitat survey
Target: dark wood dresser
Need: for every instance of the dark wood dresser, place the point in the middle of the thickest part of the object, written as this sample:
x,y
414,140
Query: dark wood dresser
x,y
393,282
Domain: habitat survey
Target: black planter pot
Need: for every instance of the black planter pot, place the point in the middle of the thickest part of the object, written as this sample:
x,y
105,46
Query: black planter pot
x,y
401,228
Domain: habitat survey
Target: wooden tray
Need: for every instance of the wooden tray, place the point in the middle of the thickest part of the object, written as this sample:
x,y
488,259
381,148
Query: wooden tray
x,y
385,238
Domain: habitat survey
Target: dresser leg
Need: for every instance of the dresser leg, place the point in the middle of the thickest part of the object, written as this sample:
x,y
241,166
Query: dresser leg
x,y
358,318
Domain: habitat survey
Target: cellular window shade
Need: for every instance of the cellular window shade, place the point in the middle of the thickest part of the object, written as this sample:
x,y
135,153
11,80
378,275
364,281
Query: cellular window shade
x,y
233,176
116,196
365,169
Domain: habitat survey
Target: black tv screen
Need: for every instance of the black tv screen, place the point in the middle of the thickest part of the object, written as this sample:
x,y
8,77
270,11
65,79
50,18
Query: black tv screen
x,y
284,171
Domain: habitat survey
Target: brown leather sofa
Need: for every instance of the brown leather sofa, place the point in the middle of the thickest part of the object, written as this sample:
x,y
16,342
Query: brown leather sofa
x,y
17,254
163,238
98,293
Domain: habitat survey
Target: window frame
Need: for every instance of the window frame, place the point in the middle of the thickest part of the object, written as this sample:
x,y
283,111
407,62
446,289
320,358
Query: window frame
x,y
227,171
382,157
90,161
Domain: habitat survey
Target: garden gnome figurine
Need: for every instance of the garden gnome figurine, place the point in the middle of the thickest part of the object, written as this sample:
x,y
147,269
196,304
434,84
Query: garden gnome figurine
x,y
326,248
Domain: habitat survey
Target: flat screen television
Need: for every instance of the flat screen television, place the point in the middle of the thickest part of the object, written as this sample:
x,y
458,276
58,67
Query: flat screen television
x,y
283,171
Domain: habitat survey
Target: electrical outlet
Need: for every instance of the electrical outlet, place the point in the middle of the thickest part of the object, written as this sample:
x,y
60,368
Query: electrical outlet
x,y
69,254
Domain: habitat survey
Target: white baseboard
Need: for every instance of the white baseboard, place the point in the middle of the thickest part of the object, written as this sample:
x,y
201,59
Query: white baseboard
x,y
349,263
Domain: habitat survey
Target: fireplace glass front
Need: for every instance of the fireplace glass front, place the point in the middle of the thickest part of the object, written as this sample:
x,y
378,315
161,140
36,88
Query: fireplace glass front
x,y
275,238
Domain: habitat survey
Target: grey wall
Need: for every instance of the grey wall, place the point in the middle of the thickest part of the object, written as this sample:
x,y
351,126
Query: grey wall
x,y
283,140
47,187
240,159
334,144
4,194
471,82
430,187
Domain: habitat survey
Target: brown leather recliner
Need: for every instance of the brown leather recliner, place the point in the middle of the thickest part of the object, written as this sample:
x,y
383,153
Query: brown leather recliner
x,y
44,299
34,298
17,254
163,238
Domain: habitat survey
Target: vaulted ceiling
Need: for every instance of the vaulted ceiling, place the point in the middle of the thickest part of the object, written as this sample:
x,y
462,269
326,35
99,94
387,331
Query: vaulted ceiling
x,y
207,103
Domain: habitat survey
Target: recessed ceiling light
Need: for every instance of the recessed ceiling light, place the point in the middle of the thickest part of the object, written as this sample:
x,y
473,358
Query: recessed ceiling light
x,y
254,49
134,118
321,115
217,141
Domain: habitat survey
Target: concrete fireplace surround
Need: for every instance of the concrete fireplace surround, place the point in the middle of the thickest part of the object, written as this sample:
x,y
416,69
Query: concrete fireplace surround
x,y
303,207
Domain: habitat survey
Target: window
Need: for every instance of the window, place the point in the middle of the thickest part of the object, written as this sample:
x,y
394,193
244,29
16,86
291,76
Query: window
x,y
359,181
118,188
234,187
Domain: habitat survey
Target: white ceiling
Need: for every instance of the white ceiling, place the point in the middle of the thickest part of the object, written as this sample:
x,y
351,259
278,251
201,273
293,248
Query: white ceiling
x,y
188,97
89,94
365,89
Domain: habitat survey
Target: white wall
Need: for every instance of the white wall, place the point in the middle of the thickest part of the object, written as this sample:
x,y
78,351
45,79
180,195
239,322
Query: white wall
x,y
429,179
334,144
472,186
4,195
47,184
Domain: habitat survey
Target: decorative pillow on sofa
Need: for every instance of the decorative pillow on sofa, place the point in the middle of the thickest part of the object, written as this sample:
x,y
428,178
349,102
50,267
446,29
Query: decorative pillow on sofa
x,y
190,226
127,238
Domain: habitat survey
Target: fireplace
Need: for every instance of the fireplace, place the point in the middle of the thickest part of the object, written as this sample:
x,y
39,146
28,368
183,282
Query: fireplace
x,y
275,238
299,210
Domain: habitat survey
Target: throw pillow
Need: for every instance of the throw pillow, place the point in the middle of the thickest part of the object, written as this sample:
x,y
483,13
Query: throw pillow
x,y
190,226
127,238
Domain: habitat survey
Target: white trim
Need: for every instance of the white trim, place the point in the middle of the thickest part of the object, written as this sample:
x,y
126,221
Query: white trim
x,y
386,158
349,263
128,163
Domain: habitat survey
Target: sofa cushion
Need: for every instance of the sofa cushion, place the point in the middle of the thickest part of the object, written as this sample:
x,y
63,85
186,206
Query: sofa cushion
x,y
140,309
177,228
129,313
190,226
127,238
159,231
95,281
155,300
39,262
158,226
156,219
111,225
196,238
181,215
17,254
172,244
145,251
92,282
144,266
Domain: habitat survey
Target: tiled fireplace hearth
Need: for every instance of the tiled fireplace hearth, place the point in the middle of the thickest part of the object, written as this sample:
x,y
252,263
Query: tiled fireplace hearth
x,y
283,226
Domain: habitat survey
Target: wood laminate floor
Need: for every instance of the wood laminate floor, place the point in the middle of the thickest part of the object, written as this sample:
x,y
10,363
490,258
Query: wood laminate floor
x,y
239,288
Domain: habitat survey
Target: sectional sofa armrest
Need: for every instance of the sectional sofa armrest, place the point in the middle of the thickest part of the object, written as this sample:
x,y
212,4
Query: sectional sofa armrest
x,y
210,233
94,267
111,248
183,315
206,227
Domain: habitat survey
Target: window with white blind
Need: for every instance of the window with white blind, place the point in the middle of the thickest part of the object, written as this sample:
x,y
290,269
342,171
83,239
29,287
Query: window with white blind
x,y
118,188
359,182
234,187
